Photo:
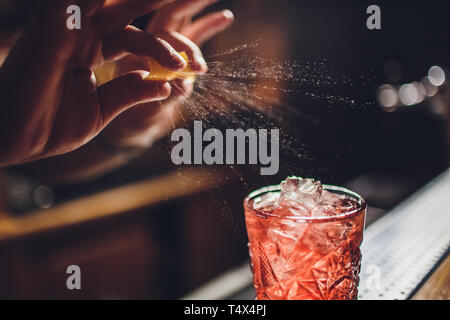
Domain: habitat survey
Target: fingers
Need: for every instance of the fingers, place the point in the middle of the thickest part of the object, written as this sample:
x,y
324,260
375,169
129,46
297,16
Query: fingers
x,y
181,43
207,27
129,90
138,42
172,16
115,15
130,63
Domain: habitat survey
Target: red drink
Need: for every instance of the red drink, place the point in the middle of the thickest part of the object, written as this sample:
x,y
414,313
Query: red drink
x,y
305,245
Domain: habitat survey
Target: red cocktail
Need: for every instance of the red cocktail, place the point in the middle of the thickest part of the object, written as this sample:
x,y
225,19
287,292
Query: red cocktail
x,y
304,240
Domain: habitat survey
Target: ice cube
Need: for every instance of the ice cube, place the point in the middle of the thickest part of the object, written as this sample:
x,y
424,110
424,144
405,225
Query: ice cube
x,y
329,198
331,204
283,236
299,195
266,201
288,207
326,236
285,233
327,205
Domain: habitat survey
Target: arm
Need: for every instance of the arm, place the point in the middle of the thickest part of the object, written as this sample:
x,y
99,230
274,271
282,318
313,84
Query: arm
x,y
138,128
50,101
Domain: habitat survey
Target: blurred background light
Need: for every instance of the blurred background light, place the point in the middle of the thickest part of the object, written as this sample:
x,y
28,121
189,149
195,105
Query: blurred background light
x,y
43,197
436,76
408,94
431,89
387,96
421,91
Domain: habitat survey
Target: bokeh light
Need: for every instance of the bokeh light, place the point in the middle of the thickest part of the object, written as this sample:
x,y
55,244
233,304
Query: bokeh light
x,y
421,91
436,76
43,197
387,96
431,89
408,94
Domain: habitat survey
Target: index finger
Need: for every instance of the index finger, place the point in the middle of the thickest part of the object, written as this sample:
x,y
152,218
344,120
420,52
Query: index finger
x,y
117,14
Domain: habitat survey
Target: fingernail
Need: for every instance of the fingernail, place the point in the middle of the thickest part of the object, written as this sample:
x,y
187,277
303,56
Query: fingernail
x,y
228,14
177,61
200,65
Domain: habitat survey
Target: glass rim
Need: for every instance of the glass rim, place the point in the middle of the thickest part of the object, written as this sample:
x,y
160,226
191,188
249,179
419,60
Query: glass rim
x,y
274,188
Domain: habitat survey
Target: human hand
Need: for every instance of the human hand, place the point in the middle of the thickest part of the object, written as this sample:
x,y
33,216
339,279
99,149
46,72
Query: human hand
x,y
143,124
51,103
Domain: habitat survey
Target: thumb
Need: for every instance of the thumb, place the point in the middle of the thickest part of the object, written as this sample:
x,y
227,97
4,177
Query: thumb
x,y
124,92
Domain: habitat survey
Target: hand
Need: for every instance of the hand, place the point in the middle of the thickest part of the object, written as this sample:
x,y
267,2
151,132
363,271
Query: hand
x,y
142,125
50,101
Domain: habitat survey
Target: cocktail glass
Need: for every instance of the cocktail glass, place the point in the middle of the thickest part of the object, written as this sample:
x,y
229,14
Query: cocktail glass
x,y
305,257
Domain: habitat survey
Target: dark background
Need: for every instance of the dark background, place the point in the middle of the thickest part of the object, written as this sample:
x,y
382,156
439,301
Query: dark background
x,y
385,156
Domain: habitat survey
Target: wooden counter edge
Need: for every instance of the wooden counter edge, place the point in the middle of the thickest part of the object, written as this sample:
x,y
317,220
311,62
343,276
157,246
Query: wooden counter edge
x,y
111,202
437,287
